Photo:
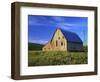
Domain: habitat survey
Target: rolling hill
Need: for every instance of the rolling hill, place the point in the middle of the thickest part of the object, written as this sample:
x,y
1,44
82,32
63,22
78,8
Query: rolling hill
x,y
35,46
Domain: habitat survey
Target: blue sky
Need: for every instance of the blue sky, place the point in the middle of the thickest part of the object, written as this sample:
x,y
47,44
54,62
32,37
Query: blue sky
x,y
41,28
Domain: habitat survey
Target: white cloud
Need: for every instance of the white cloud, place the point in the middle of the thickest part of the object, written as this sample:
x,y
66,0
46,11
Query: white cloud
x,y
39,41
58,19
63,25
34,23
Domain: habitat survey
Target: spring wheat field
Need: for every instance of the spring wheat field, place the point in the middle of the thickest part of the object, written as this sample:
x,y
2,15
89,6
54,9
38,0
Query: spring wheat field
x,y
43,58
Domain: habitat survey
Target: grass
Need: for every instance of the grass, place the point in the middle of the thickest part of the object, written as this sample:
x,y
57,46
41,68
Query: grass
x,y
43,58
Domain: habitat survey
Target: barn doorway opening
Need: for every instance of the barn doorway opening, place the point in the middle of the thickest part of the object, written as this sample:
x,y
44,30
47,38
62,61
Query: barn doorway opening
x,y
56,43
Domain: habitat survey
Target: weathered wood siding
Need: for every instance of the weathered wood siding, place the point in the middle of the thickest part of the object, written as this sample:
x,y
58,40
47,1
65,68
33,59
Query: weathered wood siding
x,y
58,43
47,47
74,46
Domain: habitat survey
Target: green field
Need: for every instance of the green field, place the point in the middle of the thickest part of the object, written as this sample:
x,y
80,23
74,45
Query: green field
x,y
43,58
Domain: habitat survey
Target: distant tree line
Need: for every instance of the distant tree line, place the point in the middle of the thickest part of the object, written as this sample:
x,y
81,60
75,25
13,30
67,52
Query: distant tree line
x,y
35,46
85,48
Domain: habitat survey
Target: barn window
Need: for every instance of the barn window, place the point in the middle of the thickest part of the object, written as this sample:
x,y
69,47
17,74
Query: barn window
x,y
58,37
64,45
61,43
56,43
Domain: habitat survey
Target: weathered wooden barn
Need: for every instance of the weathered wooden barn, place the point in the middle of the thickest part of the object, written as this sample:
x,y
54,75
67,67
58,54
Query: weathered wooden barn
x,y
63,40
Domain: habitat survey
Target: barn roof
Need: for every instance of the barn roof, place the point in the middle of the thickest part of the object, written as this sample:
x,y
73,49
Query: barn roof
x,y
71,36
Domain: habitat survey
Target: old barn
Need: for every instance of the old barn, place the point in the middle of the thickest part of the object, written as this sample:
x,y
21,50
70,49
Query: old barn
x,y
63,40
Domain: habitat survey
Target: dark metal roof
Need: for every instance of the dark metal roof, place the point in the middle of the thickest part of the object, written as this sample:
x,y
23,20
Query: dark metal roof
x,y
71,36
